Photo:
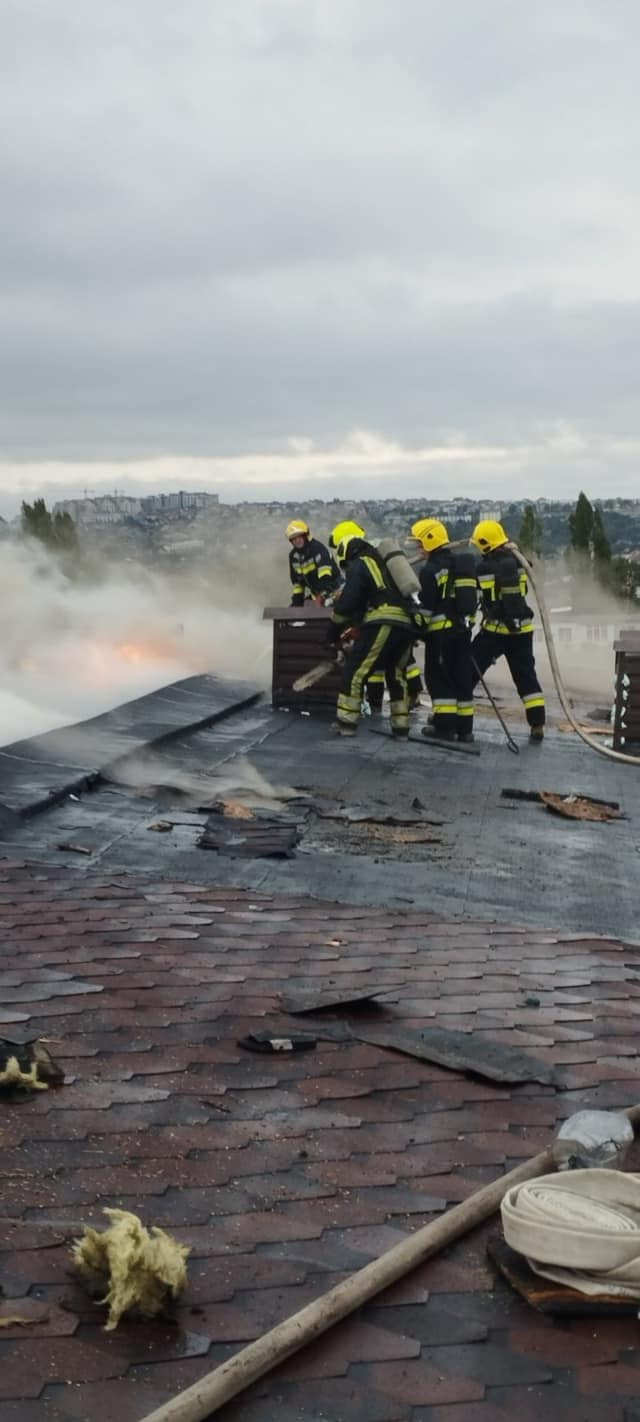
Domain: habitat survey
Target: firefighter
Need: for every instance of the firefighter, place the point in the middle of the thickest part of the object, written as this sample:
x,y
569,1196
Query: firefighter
x,y
507,627
312,570
370,601
449,599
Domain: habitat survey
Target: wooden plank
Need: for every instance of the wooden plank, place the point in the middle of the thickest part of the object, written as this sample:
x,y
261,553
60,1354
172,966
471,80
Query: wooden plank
x,y
549,1297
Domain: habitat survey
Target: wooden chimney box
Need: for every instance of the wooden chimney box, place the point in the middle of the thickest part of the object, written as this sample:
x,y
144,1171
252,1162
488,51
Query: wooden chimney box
x,y
299,643
626,726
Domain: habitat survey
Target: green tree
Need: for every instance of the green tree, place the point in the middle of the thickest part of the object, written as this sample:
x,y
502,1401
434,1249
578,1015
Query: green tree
x,y
65,533
581,526
600,545
37,521
530,535
57,531
624,579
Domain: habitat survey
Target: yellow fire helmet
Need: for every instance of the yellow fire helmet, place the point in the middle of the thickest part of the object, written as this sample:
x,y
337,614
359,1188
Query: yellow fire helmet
x,y
297,528
341,536
346,529
488,535
430,534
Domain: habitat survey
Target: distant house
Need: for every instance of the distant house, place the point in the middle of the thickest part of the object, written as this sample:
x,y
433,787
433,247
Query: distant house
x,y
590,629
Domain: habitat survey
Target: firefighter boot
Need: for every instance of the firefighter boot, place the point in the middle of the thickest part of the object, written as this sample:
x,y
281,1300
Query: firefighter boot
x,y
339,729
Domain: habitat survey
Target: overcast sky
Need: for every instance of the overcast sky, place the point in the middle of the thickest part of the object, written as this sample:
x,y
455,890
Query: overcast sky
x,y
275,246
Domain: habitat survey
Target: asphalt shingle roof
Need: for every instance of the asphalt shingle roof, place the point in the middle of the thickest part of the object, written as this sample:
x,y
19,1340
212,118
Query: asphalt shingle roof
x,y
145,962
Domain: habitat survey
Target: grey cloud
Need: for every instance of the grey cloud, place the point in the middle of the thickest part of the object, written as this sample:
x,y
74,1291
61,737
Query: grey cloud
x,y
228,224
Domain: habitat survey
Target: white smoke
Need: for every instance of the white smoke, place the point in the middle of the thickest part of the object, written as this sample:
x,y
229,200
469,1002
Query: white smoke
x,y
73,648
239,782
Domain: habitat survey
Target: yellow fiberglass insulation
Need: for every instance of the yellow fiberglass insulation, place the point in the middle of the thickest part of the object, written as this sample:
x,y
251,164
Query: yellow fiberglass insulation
x,y
13,1075
144,1268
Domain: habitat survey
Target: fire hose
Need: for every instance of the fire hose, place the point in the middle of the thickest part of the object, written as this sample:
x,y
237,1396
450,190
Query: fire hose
x,y
555,669
581,1228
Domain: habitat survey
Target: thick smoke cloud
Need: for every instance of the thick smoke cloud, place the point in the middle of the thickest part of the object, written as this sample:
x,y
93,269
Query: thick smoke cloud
x,y
71,650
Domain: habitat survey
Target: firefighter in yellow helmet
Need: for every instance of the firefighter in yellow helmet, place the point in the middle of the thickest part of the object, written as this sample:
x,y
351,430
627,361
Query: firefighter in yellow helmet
x,y
371,602
375,683
312,570
449,599
507,627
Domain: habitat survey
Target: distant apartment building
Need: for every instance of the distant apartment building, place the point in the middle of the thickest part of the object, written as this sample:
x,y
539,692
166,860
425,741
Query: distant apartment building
x,y
176,503
102,510
105,509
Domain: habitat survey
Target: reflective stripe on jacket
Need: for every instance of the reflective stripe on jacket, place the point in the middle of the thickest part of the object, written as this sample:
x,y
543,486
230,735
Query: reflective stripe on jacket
x,y
449,589
312,569
368,596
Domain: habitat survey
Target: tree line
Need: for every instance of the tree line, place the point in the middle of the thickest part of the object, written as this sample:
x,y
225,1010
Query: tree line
x,y
589,550
57,531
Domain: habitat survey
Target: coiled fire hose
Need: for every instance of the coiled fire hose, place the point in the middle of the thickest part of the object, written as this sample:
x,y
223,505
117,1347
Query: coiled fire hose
x,y
555,668
581,1228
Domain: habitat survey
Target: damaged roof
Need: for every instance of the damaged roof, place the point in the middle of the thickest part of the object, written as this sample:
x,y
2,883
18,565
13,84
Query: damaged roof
x,y
470,848
146,961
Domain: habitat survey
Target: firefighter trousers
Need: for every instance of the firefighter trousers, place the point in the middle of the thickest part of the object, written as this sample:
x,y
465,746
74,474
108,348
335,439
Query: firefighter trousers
x,y
382,648
450,680
375,686
517,647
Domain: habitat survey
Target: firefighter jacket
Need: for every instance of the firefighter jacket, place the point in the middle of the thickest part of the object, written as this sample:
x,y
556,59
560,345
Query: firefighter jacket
x,y
369,594
449,589
312,571
504,587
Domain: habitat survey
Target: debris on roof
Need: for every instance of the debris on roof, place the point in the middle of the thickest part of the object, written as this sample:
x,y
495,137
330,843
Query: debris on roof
x,y
22,1313
141,1269
277,1042
28,1065
591,730
401,834
359,814
461,1051
580,807
300,1003
233,809
572,806
253,839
